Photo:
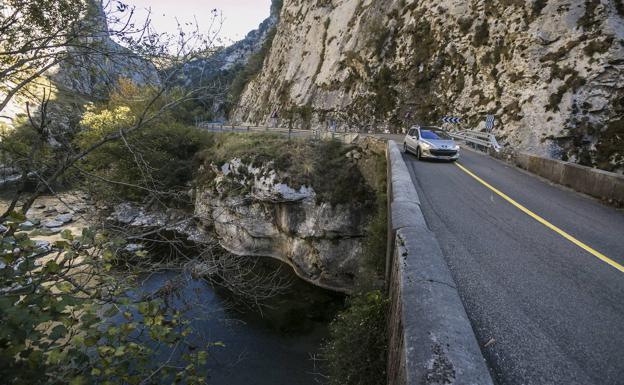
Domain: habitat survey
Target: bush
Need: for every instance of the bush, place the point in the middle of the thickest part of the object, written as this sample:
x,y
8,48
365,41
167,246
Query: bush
x,y
157,159
482,34
374,253
357,350
598,46
160,158
538,6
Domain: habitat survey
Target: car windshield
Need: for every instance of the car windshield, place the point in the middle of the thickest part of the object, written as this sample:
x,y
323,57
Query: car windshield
x,y
434,135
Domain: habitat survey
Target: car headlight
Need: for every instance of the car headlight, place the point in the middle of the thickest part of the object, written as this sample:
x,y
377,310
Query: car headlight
x,y
456,147
426,145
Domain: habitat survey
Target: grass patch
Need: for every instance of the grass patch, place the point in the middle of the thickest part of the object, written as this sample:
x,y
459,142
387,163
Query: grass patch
x,y
323,165
572,83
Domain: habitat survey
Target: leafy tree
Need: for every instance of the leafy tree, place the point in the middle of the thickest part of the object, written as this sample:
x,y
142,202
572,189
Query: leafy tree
x,y
66,310
166,148
36,36
32,35
65,319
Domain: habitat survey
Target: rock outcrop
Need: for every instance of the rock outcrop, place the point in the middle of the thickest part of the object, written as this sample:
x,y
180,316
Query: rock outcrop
x,y
551,71
92,71
252,209
87,71
253,213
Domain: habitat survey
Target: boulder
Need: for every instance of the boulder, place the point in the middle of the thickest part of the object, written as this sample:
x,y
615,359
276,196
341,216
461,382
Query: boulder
x,y
52,224
64,218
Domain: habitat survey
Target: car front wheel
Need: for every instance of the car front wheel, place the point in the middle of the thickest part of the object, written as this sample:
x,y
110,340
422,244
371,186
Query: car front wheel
x,y
405,150
418,154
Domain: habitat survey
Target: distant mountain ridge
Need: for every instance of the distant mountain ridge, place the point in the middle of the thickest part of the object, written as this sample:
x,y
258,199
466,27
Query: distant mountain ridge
x,y
229,57
229,67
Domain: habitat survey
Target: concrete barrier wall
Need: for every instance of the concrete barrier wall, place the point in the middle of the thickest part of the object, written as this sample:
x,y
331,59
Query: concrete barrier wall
x,y
431,340
606,186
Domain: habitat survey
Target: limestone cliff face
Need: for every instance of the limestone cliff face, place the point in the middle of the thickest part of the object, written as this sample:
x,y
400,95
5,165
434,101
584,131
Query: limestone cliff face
x,y
88,72
551,71
253,214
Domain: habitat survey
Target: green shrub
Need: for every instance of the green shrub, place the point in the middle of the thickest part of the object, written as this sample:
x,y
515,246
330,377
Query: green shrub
x,y
538,6
373,263
357,350
589,19
619,6
609,154
55,310
155,158
161,158
482,34
572,83
465,23
598,46
385,95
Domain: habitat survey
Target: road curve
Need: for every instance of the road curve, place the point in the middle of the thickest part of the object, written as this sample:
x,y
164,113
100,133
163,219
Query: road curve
x,y
545,311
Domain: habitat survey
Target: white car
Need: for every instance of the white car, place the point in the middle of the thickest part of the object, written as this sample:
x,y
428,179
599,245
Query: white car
x,y
431,143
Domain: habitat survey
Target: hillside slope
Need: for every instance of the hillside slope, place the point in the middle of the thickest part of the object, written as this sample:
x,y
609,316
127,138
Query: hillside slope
x,y
225,73
87,70
551,71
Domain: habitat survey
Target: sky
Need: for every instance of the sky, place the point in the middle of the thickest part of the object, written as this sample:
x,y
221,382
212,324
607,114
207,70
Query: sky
x,y
240,16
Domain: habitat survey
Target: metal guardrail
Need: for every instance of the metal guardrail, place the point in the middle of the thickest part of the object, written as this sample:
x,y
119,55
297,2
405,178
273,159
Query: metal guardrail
x,y
477,137
345,137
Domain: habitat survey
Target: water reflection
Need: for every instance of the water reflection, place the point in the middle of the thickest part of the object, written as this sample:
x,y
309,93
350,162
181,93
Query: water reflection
x,y
277,344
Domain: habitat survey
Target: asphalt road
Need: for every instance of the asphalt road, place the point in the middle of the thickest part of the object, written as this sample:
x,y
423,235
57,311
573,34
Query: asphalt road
x,y
545,311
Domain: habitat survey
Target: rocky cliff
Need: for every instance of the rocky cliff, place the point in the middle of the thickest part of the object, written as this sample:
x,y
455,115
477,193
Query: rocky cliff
x,y
87,70
254,214
228,58
551,71
92,68
326,222
296,208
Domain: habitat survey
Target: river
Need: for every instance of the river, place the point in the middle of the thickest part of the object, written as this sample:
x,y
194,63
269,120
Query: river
x,y
275,346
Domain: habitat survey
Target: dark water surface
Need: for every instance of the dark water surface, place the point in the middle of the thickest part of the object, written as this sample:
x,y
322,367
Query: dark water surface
x,y
275,346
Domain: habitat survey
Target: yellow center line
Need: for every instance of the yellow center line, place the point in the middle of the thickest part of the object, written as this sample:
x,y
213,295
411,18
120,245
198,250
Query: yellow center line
x,y
543,221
